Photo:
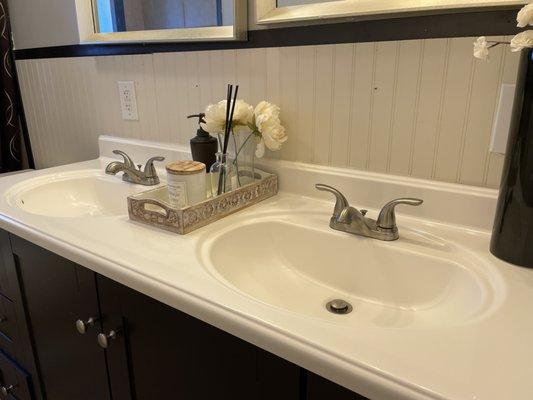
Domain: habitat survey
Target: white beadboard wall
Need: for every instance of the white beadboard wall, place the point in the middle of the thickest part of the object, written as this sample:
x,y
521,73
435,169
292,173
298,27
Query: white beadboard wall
x,y
422,108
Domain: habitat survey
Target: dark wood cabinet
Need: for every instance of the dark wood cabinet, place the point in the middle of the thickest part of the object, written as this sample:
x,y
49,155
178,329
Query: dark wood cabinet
x,y
146,349
162,353
319,388
17,358
15,382
57,292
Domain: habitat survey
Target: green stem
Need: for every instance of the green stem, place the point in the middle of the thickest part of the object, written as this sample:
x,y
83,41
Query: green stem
x,y
239,152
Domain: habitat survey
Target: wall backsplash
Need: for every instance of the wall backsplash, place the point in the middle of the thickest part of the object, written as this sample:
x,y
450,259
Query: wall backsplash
x,y
422,108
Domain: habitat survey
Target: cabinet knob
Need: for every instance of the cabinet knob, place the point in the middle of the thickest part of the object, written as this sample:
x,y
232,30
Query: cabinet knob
x,y
6,390
104,340
83,326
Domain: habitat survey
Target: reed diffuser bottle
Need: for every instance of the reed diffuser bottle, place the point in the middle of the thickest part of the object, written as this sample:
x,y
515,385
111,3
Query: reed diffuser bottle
x,y
222,174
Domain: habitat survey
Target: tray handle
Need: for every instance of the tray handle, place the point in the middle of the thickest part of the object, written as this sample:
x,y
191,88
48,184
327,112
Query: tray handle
x,y
156,203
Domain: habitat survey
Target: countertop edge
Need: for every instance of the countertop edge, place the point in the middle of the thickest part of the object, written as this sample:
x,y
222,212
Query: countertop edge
x,y
356,378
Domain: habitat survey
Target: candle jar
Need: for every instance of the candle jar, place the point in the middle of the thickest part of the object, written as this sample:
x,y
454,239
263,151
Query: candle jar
x,y
186,183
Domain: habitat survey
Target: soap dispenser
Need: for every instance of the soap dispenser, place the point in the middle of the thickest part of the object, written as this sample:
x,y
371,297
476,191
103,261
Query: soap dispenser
x,y
203,146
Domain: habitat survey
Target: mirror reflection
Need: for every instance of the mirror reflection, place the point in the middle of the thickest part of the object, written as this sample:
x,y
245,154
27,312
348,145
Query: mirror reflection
x,y
143,15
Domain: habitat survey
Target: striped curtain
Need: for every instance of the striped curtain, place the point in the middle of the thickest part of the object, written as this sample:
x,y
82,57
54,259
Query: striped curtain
x,y
10,123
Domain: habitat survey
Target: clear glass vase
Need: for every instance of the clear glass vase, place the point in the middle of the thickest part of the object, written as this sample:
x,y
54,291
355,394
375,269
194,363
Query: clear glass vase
x,y
244,164
222,173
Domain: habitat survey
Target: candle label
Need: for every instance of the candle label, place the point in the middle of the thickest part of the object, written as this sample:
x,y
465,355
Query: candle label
x,y
177,193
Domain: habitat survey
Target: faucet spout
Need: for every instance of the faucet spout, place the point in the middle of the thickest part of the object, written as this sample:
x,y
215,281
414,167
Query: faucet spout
x,y
114,168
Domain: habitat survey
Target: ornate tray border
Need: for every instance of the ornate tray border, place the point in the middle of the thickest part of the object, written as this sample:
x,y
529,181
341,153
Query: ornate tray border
x,y
185,220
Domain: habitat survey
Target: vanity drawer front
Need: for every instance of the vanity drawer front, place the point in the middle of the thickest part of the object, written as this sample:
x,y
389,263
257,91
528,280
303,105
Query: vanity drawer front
x,y
14,379
8,277
8,325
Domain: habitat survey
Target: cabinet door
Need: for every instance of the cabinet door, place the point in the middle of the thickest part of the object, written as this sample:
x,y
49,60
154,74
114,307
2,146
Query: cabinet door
x,y
319,388
8,276
161,353
57,292
14,380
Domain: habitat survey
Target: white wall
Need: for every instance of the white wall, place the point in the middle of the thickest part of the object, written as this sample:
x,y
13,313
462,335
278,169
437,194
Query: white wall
x,y
42,23
420,108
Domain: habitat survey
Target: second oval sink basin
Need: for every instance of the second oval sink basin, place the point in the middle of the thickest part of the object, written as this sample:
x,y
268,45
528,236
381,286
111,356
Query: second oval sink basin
x,y
74,194
416,281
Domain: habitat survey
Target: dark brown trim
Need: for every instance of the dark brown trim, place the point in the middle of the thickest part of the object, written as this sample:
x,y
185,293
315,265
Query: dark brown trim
x,y
475,23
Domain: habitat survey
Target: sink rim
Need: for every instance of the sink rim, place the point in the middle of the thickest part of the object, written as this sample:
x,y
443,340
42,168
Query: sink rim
x,y
13,195
482,271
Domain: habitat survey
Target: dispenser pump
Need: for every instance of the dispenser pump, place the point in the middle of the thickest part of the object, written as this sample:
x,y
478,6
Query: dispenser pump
x,y
200,132
203,146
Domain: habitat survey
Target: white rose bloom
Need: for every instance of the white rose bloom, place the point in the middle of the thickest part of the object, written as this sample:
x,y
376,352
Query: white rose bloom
x,y
243,115
481,48
273,134
525,16
215,116
265,111
268,124
521,41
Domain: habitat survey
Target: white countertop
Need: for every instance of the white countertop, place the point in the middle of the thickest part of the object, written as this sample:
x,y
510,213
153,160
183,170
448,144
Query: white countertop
x,y
489,358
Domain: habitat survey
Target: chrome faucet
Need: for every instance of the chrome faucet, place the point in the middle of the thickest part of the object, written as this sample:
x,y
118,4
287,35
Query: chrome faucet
x,y
349,219
132,173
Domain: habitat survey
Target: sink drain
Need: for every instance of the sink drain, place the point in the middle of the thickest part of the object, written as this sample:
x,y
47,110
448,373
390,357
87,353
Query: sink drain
x,y
339,306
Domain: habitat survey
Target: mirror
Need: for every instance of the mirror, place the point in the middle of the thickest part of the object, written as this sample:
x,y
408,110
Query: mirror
x,y
118,21
147,15
278,11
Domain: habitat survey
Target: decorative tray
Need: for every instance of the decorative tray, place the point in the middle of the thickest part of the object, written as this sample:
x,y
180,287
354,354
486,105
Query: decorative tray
x,y
153,207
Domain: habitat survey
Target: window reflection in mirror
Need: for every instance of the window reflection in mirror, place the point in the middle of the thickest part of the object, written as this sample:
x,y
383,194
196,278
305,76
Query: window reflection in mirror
x,y
285,3
142,15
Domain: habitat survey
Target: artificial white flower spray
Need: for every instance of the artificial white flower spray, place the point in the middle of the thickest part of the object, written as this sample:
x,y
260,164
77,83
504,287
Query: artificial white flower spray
x,y
262,123
522,40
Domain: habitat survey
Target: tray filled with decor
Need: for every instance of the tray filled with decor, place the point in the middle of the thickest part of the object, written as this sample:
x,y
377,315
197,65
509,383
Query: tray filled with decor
x,y
220,180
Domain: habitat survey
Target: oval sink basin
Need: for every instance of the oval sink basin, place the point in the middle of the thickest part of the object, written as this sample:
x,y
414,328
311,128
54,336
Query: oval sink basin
x,y
73,195
416,281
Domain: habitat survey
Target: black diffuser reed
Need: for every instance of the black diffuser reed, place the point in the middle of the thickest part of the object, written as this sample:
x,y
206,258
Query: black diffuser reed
x,y
229,120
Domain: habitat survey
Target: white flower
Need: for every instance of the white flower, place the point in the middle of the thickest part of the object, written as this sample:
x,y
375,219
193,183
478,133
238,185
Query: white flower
x,y
268,124
525,16
521,41
260,149
481,48
265,111
273,134
215,116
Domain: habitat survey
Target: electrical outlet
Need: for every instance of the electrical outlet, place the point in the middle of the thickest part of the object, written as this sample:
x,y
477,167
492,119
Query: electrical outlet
x,y
128,100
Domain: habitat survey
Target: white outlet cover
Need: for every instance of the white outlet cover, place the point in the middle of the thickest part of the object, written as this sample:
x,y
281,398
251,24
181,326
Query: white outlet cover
x,y
502,119
128,100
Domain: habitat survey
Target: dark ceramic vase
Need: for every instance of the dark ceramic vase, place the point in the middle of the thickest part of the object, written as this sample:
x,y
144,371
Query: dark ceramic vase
x,y
512,234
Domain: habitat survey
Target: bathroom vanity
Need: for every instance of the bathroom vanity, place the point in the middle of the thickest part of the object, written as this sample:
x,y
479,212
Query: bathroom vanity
x,y
98,307
152,351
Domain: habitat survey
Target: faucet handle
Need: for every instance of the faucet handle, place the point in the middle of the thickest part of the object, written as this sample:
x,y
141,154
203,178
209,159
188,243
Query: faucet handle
x,y
128,162
149,169
341,202
387,215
